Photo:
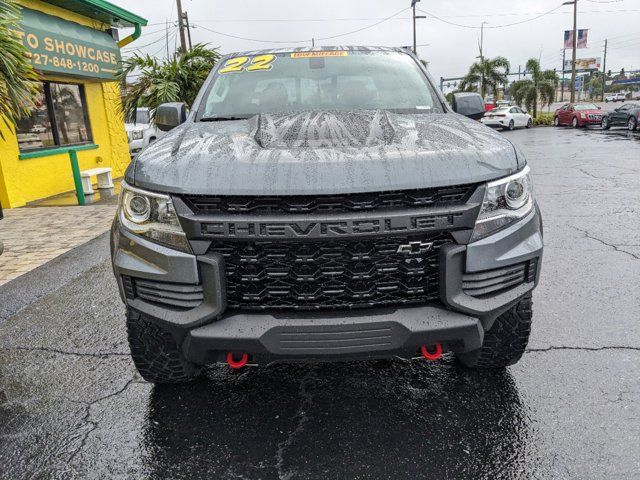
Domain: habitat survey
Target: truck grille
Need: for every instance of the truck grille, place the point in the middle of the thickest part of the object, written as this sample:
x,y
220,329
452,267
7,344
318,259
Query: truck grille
x,y
356,202
331,274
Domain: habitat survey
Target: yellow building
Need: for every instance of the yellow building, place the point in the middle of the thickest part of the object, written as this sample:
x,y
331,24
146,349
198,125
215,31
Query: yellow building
x,y
74,46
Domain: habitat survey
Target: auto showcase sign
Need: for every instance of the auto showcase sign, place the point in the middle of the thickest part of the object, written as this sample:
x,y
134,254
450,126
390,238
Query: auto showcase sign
x,y
63,47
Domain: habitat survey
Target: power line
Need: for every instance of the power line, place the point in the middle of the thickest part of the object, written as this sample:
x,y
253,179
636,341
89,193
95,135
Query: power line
x,y
305,40
365,28
247,38
150,43
360,19
492,26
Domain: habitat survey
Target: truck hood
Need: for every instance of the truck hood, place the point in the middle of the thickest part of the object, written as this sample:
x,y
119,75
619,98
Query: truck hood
x,y
324,153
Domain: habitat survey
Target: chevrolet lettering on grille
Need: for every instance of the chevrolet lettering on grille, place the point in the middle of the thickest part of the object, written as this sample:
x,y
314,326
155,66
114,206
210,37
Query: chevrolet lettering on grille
x,y
334,228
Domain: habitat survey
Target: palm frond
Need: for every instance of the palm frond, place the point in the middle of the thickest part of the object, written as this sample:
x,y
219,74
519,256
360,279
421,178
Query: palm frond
x,y
18,80
177,79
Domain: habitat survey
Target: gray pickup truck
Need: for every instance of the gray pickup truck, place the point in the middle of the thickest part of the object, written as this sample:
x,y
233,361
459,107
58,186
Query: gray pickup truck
x,y
325,204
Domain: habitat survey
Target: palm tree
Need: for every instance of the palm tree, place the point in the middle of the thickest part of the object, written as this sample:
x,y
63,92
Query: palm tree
x,y
178,79
489,73
18,79
541,86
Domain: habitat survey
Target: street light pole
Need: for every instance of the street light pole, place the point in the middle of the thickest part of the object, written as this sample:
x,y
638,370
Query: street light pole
x,y
482,40
186,20
575,45
604,68
482,57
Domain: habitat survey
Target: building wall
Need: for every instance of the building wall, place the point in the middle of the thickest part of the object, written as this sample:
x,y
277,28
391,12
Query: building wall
x,y
22,181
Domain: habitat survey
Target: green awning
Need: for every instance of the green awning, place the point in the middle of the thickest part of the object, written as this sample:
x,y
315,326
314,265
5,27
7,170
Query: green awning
x,y
63,47
101,10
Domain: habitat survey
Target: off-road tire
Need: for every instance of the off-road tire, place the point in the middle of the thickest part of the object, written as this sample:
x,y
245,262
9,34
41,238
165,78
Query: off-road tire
x,y
155,353
506,340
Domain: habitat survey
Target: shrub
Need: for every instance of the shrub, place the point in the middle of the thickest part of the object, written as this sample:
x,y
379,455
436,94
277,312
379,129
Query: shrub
x,y
543,118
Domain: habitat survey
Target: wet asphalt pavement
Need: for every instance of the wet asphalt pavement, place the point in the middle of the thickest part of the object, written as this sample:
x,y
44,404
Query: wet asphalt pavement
x,y
72,405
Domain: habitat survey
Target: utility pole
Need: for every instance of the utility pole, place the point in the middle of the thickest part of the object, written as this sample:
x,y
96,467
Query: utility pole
x,y
604,69
186,20
183,40
413,6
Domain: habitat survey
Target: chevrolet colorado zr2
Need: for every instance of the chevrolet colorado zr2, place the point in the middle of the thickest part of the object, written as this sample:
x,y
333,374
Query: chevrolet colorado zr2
x,y
325,204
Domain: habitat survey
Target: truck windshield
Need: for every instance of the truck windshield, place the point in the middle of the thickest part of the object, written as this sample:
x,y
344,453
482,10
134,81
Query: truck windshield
x,y
140,116
329,80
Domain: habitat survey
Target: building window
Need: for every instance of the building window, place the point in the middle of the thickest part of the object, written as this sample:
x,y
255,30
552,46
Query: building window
x,y
59,119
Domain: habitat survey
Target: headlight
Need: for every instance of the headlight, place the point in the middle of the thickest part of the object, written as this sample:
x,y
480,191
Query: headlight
x,y
583,115
151,215
137,134
505,201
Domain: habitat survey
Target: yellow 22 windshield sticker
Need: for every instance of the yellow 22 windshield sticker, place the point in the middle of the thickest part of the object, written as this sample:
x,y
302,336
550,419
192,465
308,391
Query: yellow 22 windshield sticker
x,y
255,64
331,53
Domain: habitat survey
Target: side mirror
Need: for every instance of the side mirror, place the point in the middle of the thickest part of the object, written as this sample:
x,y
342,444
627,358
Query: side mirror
x,y
468,104
170,115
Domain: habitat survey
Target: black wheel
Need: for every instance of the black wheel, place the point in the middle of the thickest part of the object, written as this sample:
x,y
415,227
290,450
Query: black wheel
x,y
556,122
155,353
605,125
529,123
511,125
632,124
574,122
506,340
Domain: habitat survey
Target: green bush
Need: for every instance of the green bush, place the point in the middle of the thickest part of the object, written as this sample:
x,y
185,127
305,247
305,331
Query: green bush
x,y
543,119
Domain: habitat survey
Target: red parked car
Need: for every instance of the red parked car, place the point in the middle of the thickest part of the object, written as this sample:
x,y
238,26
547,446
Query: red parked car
x,y
578,115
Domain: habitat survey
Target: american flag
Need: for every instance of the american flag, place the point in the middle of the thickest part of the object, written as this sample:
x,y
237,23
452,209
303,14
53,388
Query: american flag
x,y
582,38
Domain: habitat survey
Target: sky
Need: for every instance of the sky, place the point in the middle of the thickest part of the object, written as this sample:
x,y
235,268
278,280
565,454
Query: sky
x,y
448,37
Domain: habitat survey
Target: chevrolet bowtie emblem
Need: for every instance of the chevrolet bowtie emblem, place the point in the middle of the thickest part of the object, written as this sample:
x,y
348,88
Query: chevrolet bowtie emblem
x,y
415,248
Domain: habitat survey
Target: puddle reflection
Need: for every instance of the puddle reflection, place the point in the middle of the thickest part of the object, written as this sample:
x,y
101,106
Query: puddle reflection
x,y
384,419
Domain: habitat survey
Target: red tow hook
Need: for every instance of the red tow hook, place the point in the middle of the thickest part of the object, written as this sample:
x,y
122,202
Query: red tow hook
x,y
236,364
432,355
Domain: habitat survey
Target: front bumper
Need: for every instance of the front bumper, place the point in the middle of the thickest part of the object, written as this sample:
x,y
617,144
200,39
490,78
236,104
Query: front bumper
x,y
208,331
596,120
136,145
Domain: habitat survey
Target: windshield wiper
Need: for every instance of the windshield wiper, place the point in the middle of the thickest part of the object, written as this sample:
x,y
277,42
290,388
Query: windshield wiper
x,y
223,118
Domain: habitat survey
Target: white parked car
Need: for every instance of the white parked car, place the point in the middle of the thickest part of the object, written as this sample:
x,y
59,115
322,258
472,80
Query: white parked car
x,y
141,131
507,117
615,97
